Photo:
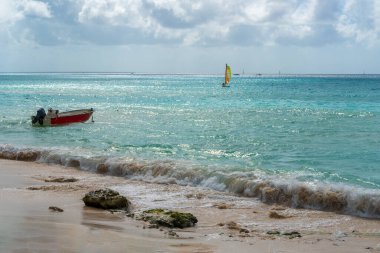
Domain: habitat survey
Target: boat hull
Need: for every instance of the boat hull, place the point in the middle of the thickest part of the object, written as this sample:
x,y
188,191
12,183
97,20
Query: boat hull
x,y
65,118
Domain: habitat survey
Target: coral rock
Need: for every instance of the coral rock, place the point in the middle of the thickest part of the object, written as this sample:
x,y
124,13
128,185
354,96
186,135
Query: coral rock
x,y
169,218
106,199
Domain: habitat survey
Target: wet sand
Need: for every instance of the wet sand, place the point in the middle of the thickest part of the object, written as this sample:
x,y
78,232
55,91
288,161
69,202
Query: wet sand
x,y
226,223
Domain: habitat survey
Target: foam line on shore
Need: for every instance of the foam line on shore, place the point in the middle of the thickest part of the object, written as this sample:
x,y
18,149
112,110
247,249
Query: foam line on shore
x,y
269,189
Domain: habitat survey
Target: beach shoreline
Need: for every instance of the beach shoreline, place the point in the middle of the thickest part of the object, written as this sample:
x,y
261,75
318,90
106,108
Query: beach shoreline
x,y
225,222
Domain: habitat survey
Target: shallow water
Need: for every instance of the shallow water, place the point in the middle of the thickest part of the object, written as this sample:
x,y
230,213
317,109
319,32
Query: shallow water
x,y
268,137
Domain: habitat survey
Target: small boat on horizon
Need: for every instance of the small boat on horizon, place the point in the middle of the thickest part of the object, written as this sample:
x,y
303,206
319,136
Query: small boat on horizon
x,y
56,118
227,77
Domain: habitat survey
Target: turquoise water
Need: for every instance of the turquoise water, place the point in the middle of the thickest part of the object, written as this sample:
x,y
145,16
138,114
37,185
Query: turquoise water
x,y
315,131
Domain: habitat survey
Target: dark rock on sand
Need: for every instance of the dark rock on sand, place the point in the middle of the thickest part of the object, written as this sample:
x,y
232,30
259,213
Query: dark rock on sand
x,y
244,230
292,234
223,205
169,218
55,209
172,233
106,199
273,232
60,179
233,225
276,215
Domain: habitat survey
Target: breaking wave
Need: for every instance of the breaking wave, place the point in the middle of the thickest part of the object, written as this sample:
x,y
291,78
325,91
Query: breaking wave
x,y
269,189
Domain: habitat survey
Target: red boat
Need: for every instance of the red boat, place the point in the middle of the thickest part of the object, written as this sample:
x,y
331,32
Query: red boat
x,y
56,118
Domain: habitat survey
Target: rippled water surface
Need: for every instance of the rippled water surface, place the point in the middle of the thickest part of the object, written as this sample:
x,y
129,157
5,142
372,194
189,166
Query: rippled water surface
x,y
317,130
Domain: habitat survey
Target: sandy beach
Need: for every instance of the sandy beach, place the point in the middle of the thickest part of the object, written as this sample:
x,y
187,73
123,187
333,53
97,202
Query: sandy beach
x,y
226,223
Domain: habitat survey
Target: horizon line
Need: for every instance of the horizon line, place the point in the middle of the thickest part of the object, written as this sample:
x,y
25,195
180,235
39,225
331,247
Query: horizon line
x,y
153,73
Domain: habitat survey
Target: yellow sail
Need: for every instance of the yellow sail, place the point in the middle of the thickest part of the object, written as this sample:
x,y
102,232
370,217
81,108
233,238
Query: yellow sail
x,y
227,75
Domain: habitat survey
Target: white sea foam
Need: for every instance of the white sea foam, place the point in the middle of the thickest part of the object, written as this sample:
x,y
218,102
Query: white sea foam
x,y
267,188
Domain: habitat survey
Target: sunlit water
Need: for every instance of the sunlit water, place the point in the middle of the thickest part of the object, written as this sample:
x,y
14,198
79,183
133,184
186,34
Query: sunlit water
x,y
318,131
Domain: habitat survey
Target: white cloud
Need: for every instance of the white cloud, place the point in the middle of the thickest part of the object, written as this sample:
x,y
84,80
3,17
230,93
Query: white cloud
x,y
114,13
9,12
359,20
12,11
36,8
200,22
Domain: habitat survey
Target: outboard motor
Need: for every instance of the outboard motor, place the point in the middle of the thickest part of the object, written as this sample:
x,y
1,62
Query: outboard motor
x,y
39,116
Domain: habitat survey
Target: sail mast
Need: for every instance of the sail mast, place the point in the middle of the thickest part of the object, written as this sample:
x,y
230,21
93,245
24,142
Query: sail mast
x,y
226,75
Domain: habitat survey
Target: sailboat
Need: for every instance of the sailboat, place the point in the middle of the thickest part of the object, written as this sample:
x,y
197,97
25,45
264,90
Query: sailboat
x,y
227,77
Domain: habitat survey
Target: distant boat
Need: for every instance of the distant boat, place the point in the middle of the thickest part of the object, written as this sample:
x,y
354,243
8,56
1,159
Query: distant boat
x,y
56,118
227,77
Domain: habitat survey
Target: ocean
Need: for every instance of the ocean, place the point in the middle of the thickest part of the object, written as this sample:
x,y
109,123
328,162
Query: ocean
x,y
308,141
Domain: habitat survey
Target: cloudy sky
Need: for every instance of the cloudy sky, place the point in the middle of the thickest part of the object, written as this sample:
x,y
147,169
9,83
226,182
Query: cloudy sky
x,y
190,36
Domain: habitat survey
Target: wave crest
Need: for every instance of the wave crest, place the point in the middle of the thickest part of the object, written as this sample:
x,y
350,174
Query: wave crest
x,y
342,199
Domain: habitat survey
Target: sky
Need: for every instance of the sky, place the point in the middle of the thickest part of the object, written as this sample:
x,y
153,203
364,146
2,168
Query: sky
x,y
190,36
